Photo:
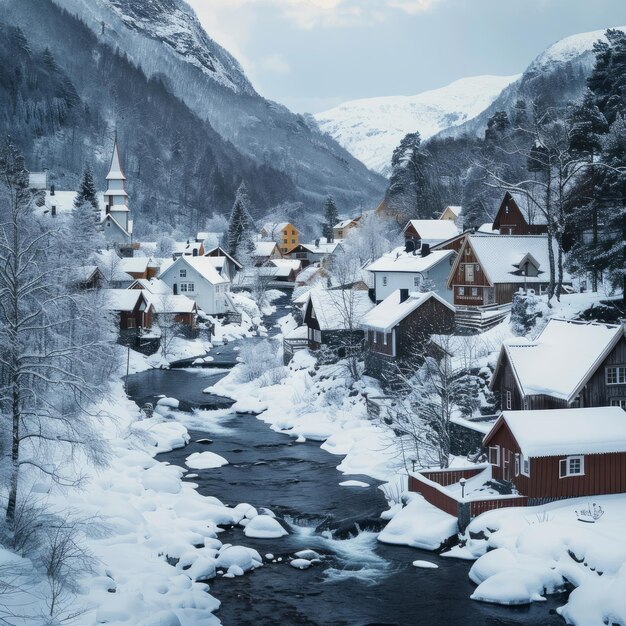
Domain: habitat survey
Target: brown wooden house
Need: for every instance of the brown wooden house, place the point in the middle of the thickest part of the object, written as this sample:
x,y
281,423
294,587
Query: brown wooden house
x,y
570,364
518,215
134,309
398,330
333,319
431,232
555,454
489,269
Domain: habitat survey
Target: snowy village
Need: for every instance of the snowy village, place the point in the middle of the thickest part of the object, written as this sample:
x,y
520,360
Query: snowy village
x,y
362,366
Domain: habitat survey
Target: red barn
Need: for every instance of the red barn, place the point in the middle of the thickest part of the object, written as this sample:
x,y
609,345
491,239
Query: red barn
x,y
560,453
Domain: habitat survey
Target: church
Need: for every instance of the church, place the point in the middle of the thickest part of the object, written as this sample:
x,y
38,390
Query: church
x,y
116,224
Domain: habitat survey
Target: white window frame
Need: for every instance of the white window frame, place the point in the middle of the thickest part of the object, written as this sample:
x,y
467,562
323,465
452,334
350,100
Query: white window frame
x,y
461,291
508,399
474,292
469,272
565,466
524,465
495,449
384,281
187,287
517,464
182,273
620,374
416,281
620,402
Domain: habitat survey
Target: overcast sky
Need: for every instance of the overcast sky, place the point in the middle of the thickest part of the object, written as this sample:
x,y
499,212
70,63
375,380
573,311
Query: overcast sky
x,y
314,54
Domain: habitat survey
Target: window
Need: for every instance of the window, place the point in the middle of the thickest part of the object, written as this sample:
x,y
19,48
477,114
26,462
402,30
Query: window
x,y
130,322
293,241
525,466
620,402
183,273
516,464
461,291
187,287
469,273
494,455
508,399
109,224
384,339
474,291
384,281
572,466
293,232
616,375
416,281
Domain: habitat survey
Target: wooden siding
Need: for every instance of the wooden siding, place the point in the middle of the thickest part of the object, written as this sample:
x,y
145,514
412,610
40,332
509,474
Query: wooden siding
x,y
434,496
459,279
513,222
481,506
603,473
449,477
376,342
596,392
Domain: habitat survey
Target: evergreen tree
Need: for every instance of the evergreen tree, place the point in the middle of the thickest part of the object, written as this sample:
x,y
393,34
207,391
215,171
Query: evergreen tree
x,y
330,218
524,313
87,193
608,78
85,235
240,225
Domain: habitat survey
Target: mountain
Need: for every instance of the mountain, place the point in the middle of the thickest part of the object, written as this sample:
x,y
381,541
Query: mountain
x,y
371,128
165,39
558,75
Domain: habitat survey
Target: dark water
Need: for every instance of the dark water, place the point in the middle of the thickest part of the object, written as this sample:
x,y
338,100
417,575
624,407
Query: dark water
x,y
359,581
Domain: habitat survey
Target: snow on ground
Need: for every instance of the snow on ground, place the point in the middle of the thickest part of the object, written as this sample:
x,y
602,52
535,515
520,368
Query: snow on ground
x,y
353,483
524,553
205,460
419,525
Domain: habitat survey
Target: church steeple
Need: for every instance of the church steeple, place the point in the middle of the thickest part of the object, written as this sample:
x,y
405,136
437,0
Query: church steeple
x,y
115,171
115,197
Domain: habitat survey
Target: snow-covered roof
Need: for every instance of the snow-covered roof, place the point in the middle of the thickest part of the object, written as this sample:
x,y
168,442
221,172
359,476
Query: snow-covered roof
x,y
222,253
556,432
308,273
454,208
274,228
186,247
323,247
562,358
339,309
121,299
501,256
292,264
170,303
347,222
62,200
203,265
488,228
134,264
390,312
201,236
152,285
399,260
85,272
264,248
434,231
531,212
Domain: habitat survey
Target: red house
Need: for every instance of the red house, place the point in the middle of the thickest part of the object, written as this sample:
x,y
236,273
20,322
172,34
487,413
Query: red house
x,y
560,453
518,215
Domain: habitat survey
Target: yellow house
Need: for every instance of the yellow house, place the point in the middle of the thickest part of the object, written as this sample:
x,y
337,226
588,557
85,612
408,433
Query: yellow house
x,y
286,235
340,230
451,213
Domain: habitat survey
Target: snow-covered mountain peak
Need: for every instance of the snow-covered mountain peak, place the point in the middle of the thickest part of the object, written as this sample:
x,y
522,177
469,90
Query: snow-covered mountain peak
x,y
570,48
371,128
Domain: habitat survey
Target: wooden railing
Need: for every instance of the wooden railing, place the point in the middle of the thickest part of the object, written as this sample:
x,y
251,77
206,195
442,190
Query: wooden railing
x,y
481,317
291,346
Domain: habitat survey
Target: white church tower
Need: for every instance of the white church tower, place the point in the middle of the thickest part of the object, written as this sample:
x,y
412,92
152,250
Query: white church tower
x,y
116,223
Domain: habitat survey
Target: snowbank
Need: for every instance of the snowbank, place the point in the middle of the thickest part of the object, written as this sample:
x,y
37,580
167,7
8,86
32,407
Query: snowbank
x,y
205,460
264,527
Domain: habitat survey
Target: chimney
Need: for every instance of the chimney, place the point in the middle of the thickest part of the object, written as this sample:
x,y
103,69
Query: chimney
x,y
53,212
107,210
425,249
51,190
195,252
409,246
404,295
317,243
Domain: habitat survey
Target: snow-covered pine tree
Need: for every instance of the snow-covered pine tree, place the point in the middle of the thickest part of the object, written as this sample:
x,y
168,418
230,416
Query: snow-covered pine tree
x,y
330,218
85,235
524,312
87,192
240,224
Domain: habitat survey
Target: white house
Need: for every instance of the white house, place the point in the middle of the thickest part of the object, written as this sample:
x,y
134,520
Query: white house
x,y
414,271
197,278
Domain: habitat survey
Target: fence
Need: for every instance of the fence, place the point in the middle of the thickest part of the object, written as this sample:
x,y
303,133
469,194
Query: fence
x,y
481,318
431,484
291,346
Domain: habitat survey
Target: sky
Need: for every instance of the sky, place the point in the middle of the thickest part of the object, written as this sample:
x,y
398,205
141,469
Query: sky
x,y
312,55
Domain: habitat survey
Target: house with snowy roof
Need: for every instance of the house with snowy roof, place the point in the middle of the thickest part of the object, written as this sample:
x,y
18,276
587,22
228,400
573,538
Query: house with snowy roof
x,y
133,308
197,278
264,251
224,262
413,270
285,234
333,319
320,251
518,214
398,330
183,309
187,248
561,453
452,213
341,228
489,269
429,231
570,364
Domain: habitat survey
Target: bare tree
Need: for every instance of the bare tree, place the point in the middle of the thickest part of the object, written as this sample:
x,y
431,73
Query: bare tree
x,y
55,348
